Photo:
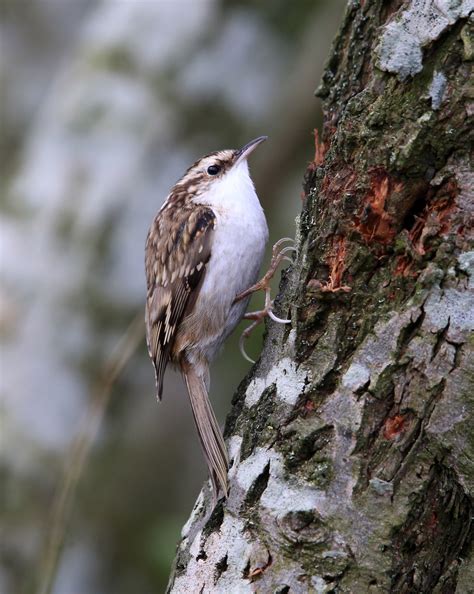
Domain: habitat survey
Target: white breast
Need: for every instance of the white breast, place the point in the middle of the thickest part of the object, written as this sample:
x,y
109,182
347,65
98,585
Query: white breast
x,y
238,248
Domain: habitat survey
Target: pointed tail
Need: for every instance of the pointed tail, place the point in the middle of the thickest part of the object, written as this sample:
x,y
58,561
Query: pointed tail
x,y
210,435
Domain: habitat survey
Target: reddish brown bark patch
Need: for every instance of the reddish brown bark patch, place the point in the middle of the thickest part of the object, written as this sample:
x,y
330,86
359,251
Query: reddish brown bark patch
x,y
373,222
404,267
253,573
337,266
435,220
319,151
394,427
432,523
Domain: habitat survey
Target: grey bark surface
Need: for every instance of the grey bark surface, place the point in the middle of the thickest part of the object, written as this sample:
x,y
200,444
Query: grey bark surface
x,y
351,439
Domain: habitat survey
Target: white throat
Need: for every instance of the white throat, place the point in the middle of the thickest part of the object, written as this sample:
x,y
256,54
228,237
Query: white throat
x,y
233,194
238,247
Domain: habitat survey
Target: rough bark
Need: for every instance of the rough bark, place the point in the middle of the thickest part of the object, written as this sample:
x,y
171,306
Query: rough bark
x,y
351,439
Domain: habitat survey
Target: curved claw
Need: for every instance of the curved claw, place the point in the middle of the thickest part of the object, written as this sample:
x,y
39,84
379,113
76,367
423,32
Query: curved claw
x,y
277,319
279,255
276,251
282,241
242,349
288,248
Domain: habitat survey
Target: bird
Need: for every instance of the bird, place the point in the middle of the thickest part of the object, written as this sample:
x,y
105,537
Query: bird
x,y
203,254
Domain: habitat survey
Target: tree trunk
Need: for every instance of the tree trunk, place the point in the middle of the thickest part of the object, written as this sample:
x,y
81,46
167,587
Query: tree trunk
x,y
352,439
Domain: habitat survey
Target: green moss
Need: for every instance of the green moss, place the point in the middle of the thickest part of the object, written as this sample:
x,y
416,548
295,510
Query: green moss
x,y
299,448
257,427
320,472
383,387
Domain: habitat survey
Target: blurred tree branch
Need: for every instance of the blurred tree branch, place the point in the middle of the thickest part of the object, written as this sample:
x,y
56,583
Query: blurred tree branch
x,y
76,460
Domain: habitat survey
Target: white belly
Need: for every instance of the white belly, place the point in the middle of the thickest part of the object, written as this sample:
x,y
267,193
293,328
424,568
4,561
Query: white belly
x,y
237,252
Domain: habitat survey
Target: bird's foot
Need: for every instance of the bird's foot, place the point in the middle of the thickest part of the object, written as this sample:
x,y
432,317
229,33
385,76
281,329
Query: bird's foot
x,y
278,256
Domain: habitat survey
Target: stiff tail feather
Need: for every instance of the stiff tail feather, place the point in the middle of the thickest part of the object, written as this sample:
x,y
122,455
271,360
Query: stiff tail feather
x,y
210,435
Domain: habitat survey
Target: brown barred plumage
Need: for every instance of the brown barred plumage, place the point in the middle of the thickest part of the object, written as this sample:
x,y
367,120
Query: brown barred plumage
x,y
201,252
178,248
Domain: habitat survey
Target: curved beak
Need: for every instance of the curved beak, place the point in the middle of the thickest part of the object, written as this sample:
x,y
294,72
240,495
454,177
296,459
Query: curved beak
x,y
245,151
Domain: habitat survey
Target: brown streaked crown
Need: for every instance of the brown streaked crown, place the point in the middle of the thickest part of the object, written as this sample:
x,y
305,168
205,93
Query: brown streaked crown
x,y
199,177
196,180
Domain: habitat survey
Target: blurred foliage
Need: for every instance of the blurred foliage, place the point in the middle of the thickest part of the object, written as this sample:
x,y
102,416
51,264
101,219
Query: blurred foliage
x,y
103,106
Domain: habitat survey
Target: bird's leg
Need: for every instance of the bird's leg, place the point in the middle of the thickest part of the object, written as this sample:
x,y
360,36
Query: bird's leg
x,y
278,255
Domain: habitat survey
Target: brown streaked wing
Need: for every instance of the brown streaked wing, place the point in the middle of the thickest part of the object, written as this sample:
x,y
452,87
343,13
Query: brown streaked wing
x,y
178,248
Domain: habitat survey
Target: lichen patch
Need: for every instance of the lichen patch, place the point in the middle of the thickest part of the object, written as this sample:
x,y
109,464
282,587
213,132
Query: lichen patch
x,y
200,575
401,46
453,307
288,378
437,89
356,377
281,496
247,472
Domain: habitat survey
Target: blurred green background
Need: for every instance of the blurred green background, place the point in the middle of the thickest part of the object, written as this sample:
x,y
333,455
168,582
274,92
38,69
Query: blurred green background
x,y
104,104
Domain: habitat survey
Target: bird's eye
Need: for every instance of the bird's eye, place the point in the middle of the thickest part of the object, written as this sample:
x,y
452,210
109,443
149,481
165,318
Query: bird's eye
x,y
213,169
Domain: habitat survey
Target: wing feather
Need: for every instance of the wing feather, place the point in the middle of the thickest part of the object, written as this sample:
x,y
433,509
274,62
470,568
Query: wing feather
x,y
178,249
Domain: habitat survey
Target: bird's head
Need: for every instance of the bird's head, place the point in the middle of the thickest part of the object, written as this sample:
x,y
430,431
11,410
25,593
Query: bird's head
x,y
218,172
